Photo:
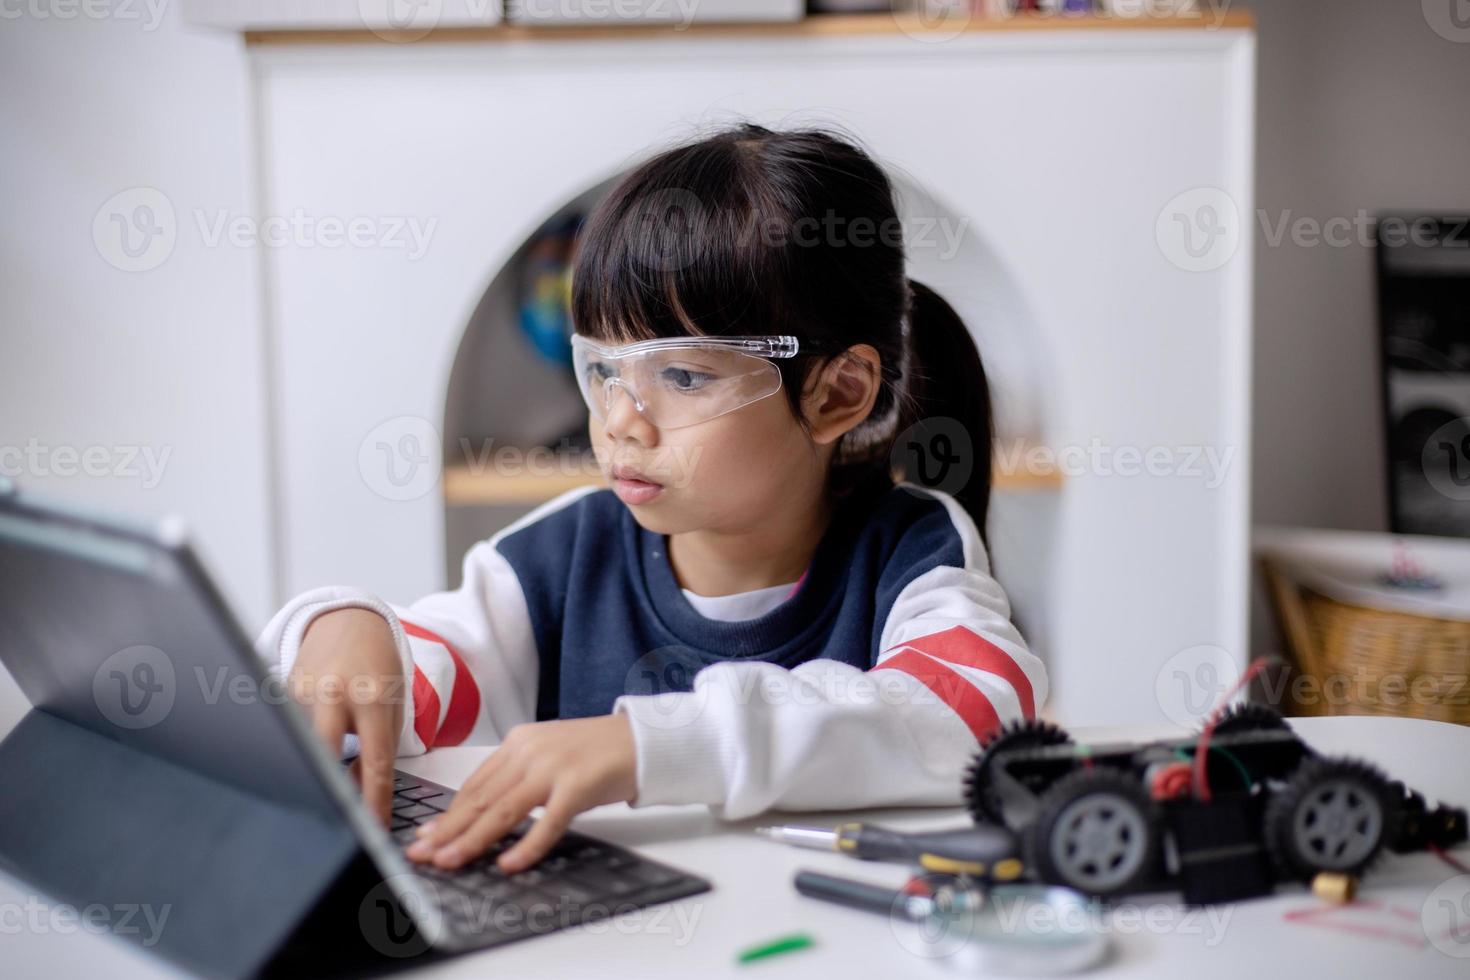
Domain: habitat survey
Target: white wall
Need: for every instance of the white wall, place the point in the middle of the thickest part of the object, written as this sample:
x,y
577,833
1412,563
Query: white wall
x,y
93,356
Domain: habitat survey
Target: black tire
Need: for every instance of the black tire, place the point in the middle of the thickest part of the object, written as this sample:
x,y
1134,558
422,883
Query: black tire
x,y
1097,832
1250,718
1031,733
1332,815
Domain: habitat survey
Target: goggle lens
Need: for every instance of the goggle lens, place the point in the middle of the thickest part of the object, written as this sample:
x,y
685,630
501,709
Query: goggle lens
x,y
673,386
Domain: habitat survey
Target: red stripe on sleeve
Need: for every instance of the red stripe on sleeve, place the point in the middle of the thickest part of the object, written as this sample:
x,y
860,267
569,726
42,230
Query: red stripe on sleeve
x,y
425,708
968,701
964,646
464,697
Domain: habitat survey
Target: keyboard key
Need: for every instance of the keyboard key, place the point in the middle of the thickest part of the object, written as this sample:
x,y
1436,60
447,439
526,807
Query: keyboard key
x,y
604,883
502,890
399,823
570,892
565,849
466,913
416,812
498,890
485,866
420,793
435,872
540,912
618,859
652,874
473,879
493,850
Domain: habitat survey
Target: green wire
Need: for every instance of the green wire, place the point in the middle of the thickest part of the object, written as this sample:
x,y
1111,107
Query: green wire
x,y
1245,776
786,944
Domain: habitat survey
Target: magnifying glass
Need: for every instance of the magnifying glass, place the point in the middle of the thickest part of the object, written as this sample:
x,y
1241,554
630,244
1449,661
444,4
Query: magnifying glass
x,y
1017,930
1013,929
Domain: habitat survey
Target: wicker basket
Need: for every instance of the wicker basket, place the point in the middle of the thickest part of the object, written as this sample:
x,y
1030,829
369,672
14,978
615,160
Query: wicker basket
x,y
1355,660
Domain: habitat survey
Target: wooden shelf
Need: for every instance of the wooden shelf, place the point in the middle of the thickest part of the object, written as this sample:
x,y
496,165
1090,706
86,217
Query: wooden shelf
x,y
464,487
815,25
467,487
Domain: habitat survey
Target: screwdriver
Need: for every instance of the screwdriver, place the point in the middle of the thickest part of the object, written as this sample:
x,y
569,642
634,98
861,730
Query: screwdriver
x,y
987,851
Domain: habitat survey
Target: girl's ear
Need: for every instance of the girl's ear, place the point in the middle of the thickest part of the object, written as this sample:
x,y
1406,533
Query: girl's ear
x,y
842,393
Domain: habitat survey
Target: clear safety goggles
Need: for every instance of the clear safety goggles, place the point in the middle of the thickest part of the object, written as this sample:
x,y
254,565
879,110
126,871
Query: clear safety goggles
x,y
679,381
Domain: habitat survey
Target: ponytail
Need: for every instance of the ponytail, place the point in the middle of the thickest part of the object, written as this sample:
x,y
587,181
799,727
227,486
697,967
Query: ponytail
x,y
945,422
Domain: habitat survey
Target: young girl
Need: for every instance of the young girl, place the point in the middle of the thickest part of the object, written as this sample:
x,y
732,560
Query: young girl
x,y
754,615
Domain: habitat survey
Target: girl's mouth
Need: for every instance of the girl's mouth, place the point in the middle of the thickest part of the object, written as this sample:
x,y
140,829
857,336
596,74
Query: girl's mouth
x,y
633,489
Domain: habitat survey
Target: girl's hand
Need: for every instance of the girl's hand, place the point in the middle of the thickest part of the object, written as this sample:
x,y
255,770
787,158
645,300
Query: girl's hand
x,y
348,678
571,766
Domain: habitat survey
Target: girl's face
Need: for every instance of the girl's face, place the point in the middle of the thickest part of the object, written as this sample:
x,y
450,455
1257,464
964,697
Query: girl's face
x,y
734,472
728,473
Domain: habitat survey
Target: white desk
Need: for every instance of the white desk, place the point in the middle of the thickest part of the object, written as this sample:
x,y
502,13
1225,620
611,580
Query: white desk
x,y
753,899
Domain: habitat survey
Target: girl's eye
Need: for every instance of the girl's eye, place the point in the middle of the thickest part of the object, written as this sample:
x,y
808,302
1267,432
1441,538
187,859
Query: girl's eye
x,y
599,372
683,379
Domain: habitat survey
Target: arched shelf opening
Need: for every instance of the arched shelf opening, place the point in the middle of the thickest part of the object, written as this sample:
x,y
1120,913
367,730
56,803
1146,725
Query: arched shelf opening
x,y
515,428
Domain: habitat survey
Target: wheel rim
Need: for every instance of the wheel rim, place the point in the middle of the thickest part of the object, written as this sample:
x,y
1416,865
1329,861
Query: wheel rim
x,y
1338,824
1099,842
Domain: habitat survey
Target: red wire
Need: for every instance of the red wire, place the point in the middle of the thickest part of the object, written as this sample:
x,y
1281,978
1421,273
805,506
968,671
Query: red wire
x,y
1449,859
1202,747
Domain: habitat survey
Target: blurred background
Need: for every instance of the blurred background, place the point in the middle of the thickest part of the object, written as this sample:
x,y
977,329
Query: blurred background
x,y
297,272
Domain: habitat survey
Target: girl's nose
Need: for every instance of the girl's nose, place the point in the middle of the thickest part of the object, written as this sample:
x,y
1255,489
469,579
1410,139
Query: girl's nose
x,y
621,417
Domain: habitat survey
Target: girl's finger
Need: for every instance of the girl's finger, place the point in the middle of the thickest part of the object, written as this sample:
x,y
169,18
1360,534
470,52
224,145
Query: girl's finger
x,y
544,834
465,809
471,788
378,740
330,723
491,825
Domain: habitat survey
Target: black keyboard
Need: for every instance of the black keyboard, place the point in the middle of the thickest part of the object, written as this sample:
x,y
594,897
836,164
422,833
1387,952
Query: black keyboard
x,y
581,879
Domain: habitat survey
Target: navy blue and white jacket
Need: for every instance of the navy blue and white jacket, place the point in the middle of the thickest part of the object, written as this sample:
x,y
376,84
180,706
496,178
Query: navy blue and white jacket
x,y
870,685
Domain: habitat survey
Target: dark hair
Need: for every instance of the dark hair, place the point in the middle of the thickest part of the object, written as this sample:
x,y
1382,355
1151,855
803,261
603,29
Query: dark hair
x,y
752,231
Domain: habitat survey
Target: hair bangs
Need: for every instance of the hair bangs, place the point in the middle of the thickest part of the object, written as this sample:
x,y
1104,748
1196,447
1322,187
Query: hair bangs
x,y
677,250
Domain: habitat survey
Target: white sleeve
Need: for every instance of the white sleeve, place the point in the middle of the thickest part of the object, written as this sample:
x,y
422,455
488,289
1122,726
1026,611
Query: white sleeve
x,y
826,735
469,655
